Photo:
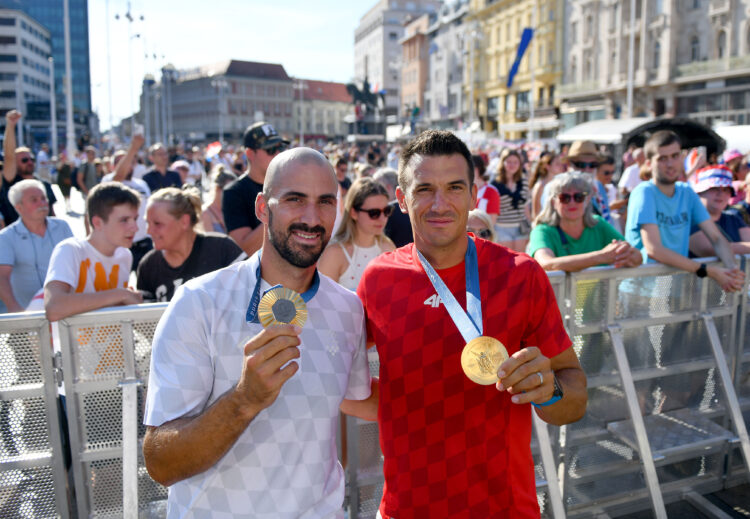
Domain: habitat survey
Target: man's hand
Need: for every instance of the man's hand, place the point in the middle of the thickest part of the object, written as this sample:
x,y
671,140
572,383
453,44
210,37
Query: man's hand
x,y
730,280
262,374
130,296
520,376
137,141
13,117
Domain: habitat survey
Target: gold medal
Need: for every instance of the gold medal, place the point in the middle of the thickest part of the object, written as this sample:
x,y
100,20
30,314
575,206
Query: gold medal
x,y
282,306
481,358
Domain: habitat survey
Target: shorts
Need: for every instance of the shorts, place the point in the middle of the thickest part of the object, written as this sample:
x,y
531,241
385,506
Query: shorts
x,y
510,232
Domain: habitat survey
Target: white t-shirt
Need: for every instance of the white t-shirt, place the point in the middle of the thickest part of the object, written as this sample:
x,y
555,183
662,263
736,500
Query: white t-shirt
x,y
285,463
76,262
630,178
139,170
144,191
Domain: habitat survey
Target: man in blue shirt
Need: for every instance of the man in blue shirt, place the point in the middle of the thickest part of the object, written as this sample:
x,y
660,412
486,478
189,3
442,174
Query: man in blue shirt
x,y
26,245
662,211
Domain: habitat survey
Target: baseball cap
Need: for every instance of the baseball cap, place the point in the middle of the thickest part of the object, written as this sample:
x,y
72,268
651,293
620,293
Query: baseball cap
x,y
713,176
730,155
262,135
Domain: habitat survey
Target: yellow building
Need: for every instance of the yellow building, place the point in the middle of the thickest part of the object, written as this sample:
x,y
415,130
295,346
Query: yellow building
x,y
492,38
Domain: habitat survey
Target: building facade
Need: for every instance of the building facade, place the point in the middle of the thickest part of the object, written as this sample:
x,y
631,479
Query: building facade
x,y
691,58
25,71
218,100
377,52
321,110
49,13
447,50
415,65
493,40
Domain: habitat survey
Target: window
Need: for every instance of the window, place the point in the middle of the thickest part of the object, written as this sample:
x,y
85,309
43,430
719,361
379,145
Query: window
x,y
393,36
522,101
695,49
721,45
696,4
7,21
540,97
589,27
573,71
551,97
574,32
8,58
657,55
7,40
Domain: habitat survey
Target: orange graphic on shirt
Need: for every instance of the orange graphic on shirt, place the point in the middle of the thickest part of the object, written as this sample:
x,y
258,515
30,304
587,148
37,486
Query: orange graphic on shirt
x,y
112,356
100,276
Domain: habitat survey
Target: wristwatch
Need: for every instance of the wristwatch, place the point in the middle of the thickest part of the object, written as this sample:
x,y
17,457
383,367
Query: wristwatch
x,y
701,272
557,394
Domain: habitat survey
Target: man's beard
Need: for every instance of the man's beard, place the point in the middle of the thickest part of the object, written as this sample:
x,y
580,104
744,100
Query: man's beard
x,y
664,181
299,256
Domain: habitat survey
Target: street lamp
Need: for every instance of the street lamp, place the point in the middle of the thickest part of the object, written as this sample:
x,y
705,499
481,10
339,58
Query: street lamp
x,y
220,84
129,17
300,85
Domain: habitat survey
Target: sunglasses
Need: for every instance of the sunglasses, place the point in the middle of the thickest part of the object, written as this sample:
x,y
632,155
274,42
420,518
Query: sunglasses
x,y
565,198
24,160
374,214
482,233
276,149
610,172
586,165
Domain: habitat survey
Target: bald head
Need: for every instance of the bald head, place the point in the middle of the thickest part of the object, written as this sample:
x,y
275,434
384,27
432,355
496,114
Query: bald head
x,y
291,160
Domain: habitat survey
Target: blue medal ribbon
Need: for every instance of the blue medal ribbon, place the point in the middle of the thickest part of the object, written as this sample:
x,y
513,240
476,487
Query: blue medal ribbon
x,y
252,310
470,325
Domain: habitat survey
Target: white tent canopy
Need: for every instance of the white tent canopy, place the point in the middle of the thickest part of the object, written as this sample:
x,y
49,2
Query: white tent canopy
x,y
602,131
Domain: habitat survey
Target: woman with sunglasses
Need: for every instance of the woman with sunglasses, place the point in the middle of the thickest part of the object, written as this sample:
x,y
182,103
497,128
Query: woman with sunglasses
x,y
568,235
480,224
360,237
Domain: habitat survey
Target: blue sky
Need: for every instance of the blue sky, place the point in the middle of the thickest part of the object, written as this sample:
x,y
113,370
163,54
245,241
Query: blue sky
x,y
314,40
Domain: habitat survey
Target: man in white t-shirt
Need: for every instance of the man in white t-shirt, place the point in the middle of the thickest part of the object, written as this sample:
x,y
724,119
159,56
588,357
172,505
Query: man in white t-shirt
x,y
241,419
631,176
92,273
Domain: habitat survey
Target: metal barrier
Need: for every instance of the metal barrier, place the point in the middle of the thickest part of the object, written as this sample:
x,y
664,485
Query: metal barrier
x,y
32,470
106,357
664,352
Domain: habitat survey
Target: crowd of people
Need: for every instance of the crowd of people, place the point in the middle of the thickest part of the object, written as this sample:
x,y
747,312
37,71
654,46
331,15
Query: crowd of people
x,y
262,215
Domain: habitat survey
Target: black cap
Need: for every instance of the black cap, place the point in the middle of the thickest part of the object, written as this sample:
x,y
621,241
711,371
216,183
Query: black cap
x,y
262,135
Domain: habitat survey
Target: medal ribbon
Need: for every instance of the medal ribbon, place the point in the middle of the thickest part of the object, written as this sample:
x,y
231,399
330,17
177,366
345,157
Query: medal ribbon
x,y
470,325
252,310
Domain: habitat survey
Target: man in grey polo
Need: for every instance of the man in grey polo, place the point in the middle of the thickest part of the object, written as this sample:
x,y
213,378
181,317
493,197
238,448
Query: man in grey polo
x,y
26,245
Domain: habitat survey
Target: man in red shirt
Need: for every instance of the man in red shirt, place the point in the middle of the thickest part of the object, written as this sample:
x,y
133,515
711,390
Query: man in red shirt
x,y
455,448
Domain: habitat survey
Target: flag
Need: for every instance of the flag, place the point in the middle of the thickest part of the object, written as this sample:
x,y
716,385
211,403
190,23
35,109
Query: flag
x,y
526,36
213,149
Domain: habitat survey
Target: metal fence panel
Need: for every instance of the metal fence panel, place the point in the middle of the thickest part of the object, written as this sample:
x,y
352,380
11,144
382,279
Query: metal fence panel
x,y
97,371
32,470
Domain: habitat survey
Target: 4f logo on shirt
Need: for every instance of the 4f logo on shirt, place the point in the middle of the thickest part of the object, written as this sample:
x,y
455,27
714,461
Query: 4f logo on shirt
x,y
433,301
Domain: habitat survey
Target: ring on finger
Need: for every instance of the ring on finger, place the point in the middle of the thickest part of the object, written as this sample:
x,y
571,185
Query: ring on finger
x,y
541,378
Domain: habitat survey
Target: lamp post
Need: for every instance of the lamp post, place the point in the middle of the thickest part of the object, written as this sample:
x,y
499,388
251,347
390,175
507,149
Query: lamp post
x,y
52,106
129,17
70,133
300,85
220,84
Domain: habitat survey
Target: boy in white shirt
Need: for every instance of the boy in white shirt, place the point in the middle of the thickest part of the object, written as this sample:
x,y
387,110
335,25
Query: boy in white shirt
x,y
91,273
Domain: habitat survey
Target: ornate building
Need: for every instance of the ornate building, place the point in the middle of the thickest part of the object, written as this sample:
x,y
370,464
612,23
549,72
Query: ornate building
x,y
493,39
691,58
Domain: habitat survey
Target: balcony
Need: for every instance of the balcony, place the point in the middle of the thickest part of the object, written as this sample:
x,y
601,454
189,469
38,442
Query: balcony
x,y
716,66
571,89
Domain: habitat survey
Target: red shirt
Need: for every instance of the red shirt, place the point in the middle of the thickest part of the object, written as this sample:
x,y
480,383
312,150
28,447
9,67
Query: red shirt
x,y
454,448
488,199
